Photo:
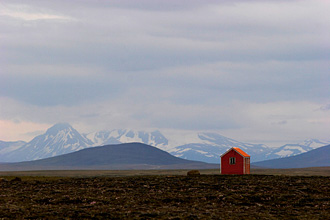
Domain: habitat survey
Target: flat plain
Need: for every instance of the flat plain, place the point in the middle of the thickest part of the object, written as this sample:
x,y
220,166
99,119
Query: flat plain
x,y
164,194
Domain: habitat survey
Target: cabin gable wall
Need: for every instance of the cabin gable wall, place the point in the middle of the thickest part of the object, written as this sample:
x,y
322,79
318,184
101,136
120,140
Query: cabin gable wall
x,y
237,168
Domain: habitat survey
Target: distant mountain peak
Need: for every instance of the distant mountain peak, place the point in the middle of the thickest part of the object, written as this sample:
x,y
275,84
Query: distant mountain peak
x,y
60,139
59,127
314,143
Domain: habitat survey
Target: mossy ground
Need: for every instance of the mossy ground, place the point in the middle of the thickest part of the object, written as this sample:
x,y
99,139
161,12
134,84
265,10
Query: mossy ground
x,y
167,197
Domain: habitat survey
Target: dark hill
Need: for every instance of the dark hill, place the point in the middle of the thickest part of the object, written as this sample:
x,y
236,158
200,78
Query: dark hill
x,y
315,158
122,156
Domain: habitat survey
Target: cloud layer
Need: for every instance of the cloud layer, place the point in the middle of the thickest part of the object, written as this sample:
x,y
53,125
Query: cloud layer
x,y
256,70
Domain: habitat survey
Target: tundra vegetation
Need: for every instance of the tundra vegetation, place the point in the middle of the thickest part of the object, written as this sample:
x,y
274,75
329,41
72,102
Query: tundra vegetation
x,y
164,196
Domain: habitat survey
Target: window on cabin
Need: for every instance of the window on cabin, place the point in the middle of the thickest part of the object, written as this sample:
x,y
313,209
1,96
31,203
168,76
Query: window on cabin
x,y
232,160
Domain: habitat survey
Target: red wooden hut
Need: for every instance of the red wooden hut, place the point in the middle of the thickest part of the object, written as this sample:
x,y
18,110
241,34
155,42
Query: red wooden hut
x,y
235,161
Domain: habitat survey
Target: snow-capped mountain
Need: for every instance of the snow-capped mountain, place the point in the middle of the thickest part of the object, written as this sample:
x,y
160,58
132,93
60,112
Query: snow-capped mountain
x,y
59,139
318,157
154,138
208,147
288,150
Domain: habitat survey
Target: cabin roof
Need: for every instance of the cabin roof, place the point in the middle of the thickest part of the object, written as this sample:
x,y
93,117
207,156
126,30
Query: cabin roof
x,y
238,150
241,152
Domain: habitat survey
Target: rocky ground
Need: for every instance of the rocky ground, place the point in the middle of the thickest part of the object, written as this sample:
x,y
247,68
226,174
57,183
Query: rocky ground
x,y
167,197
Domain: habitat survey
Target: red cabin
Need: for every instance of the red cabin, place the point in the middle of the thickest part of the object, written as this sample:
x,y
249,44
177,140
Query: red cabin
x,y
235,161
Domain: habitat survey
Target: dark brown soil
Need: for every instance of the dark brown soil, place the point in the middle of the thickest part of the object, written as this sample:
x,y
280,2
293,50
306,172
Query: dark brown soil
x,y
168,197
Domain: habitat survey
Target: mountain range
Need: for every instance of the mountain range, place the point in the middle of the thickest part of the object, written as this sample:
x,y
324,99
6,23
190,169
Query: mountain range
x,y
319,157
200,146
295,149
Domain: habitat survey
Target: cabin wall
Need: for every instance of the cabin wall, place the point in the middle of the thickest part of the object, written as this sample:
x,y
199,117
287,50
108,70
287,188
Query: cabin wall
x,y
247,165
236,168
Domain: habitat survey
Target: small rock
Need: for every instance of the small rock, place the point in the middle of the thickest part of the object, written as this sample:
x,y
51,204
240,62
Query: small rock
x,y
16,179
193,173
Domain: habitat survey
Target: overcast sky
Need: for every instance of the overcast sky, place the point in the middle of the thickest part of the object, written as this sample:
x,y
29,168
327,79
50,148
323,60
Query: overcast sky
x,y
255,71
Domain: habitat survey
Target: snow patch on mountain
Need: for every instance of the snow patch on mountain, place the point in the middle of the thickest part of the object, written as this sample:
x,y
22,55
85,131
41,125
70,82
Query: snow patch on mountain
x,y
314,143
284,153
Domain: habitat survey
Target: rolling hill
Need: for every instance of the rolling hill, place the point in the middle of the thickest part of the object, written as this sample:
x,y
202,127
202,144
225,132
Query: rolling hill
x,y
122,156
315,158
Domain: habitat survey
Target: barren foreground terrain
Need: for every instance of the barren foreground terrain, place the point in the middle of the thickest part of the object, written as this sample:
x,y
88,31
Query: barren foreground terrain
x,y
167,197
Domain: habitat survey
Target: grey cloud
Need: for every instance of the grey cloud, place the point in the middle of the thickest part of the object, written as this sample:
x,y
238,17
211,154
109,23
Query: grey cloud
x,y
34,133
200,123
280,122
147,5
136,41
49,91
325,107
91,115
